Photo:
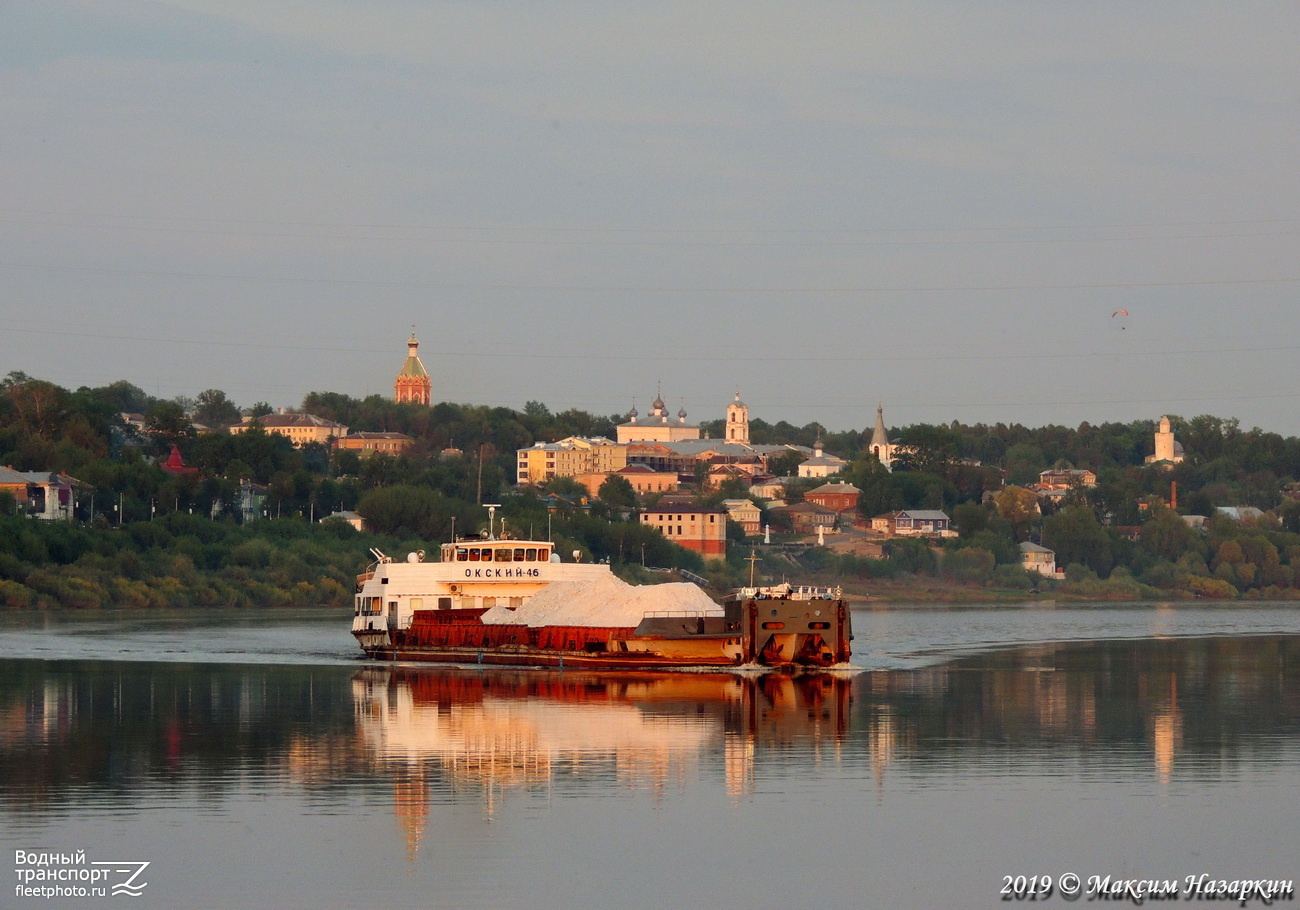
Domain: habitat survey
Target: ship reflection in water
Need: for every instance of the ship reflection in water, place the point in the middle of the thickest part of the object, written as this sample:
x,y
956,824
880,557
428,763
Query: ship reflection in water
x,y
1088,755
524,730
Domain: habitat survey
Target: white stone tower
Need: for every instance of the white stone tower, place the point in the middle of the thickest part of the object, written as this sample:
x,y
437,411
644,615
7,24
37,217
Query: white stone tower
x,y
881,447
738,421
1168,449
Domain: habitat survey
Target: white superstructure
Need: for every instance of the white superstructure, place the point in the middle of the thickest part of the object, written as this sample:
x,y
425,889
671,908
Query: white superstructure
x,y
471,574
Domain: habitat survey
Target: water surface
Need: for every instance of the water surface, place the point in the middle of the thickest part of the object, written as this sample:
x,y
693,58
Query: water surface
x,y
253,761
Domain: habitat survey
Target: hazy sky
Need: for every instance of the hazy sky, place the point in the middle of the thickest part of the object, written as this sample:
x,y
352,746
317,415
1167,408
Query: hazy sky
x,y
937,206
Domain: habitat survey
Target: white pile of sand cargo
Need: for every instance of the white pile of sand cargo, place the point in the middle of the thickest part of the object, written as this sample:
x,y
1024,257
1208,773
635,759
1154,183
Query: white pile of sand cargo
x,y
607,601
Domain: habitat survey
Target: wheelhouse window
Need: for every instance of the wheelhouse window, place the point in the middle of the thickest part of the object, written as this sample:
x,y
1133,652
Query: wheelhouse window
x,y
503,554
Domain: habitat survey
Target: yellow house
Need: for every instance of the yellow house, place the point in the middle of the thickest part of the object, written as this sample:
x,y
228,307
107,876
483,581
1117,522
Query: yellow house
x,y
643,480
300,428
569,457
369,443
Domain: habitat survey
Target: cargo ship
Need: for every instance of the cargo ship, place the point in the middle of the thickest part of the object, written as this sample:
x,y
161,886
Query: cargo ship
x,y
509,602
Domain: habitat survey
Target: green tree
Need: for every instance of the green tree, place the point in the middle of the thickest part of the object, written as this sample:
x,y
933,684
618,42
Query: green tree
x,y
1077,537
214,409
785,465
970,517
909,554
124,397
1023,463
407,511
617,491
1166,536
881,491
1020,508
929,448
1289,514
969,565
167,423
1199,503
39,405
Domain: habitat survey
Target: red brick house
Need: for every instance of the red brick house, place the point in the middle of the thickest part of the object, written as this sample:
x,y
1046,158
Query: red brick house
x,y
837,497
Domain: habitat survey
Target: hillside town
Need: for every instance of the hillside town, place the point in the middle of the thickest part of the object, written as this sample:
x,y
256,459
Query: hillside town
x,y
1003,507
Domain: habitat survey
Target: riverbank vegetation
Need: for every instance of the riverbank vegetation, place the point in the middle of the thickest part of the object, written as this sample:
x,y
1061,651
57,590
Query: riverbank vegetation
x,y
243,528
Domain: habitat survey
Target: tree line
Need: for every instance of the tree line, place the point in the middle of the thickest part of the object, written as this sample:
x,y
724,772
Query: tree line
x,y
1121,535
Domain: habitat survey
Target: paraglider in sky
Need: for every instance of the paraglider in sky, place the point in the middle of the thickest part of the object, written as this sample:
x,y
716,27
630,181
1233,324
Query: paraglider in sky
x,y
1120,313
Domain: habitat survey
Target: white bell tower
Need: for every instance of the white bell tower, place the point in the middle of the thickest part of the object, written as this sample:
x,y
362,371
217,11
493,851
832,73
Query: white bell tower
x,y
738,421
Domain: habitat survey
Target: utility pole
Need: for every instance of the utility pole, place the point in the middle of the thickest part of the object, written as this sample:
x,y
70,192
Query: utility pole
x,y
478,495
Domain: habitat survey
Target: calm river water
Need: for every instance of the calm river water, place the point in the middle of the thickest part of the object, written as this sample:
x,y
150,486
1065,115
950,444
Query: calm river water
x,y
253,761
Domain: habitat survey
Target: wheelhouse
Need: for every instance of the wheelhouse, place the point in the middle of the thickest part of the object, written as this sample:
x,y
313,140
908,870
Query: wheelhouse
x,y
497,551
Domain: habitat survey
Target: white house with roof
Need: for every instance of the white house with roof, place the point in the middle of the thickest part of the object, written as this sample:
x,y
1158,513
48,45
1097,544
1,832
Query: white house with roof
x,y
771,489
1037,558
41,494
301,429
821,464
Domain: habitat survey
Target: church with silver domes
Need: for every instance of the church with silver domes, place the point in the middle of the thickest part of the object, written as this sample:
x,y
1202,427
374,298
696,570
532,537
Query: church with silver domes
x,y
657,426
